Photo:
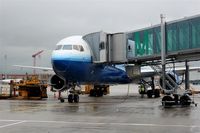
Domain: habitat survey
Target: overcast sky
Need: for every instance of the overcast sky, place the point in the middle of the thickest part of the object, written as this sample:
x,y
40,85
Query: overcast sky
x,y
27,26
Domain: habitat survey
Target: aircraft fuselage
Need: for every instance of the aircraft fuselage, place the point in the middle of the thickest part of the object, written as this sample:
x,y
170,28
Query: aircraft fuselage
x,y
72,61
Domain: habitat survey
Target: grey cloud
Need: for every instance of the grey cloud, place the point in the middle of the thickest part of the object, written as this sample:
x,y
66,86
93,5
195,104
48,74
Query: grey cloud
x,y
31,25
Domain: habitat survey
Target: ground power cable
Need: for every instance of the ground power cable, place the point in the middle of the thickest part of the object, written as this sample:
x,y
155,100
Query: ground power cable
x,y
127,94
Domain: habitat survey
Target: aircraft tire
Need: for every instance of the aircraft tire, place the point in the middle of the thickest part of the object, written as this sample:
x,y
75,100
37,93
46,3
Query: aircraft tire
x,y
62,100
92,93
99,93
70,98
76,98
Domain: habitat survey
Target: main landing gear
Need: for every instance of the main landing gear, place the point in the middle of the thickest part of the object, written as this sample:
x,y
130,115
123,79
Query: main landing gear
x,y
99,90
73,96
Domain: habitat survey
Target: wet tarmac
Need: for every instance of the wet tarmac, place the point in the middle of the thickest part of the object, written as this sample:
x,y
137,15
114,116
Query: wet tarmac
x,y
114,113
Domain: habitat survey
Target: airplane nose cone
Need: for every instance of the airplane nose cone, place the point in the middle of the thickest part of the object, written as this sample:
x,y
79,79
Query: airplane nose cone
x,y
58,65
59,61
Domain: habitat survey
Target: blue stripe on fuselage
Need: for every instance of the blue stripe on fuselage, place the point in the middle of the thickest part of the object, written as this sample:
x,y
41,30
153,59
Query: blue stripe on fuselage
x,y
86,72
71,70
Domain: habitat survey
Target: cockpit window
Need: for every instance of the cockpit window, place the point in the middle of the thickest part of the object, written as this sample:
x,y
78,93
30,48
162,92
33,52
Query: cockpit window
x,y
78,47
67,47
58,47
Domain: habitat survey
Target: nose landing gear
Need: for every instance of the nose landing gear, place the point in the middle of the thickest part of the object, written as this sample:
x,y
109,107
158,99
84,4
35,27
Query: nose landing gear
x,y
73,96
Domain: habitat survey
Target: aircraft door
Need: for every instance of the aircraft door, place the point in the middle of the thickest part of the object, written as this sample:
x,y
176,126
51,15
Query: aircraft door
x,y
103,47
102,51
131,49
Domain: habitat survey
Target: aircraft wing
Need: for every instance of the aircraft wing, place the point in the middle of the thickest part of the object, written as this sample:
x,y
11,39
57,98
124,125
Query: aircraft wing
x,y
9,80
33,67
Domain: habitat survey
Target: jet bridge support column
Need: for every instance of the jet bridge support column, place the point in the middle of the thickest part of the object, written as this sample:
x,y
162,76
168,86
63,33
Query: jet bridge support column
x,y
163,49
187,85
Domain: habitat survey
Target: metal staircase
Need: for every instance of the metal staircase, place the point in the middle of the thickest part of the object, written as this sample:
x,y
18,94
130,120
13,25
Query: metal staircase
x,y
171,85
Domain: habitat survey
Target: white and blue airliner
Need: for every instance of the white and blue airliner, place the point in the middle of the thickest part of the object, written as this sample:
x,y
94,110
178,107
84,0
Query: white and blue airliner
x,y
72,62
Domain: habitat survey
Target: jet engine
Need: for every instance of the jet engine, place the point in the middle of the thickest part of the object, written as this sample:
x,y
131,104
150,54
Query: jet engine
x,y
58,83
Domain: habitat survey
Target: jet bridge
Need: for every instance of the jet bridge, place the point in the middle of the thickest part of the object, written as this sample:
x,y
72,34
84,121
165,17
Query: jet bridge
x,y
144,45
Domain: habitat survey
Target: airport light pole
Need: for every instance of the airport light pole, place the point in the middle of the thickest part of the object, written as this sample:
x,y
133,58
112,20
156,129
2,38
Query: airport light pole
x,y
5,73
163,48
187,84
